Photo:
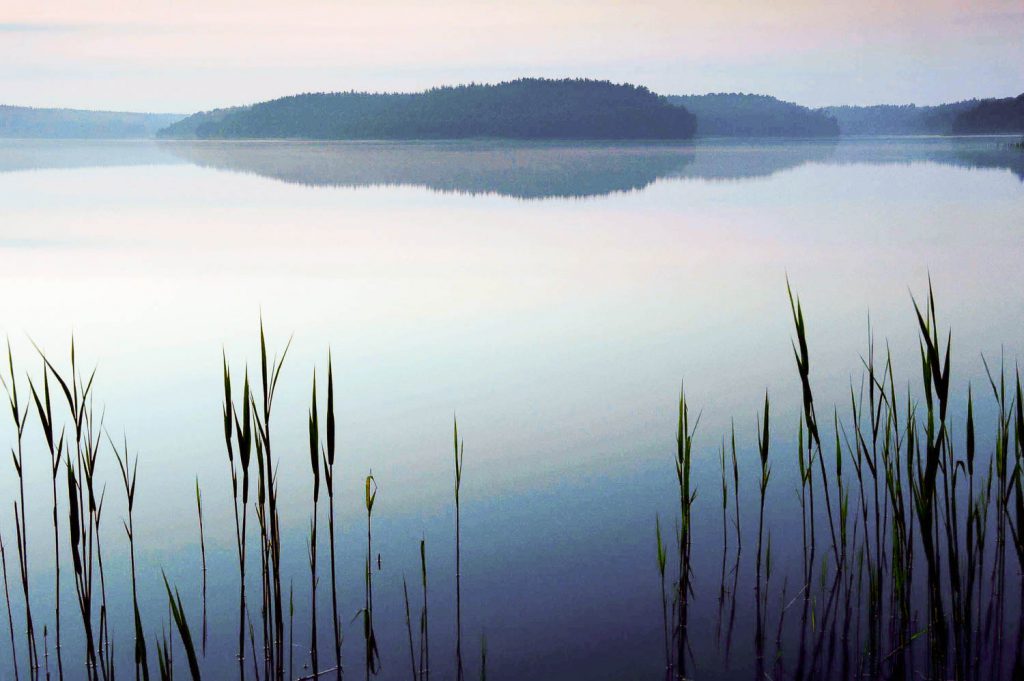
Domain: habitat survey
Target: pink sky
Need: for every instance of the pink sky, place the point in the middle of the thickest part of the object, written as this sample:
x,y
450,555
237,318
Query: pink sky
x,y
188,54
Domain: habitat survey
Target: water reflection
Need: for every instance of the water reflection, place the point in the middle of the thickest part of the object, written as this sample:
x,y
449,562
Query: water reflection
x,y
514,169
533,171
21,155
974,153
557,330
525,171
517,170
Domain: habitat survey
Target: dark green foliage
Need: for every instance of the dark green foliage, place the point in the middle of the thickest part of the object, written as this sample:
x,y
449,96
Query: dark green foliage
x,y
529,108
992,116
181,622
662,561
728,114
687,495
163,658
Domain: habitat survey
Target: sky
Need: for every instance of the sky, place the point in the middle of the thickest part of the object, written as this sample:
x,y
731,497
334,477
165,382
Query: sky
x,y
181,56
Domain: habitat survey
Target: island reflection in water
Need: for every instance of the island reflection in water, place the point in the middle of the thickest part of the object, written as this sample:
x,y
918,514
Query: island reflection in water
x,y
563,170
513,169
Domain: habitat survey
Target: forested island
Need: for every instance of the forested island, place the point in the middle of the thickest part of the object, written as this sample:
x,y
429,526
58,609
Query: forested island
x,y
525,109
747,115
29,122
529,108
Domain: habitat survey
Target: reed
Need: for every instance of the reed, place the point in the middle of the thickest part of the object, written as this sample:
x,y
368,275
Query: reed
x,y
202,556
79,547
227,413
805,485
684,458
725,502
84,510
369,635
270,373
736,491
241,430
129,476
994,620
184,632
44,409
935,372
164,662
252,647
920,487
424,667
459,451
766,471
7,599
408,627
662,560
291,630
329,481
20,417
801,354
265,584
314,460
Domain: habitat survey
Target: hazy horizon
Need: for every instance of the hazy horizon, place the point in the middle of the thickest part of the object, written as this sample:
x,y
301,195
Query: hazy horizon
x,y
196,56
493,82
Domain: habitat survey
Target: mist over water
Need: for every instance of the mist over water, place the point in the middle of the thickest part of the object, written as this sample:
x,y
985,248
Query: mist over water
x,y
551,296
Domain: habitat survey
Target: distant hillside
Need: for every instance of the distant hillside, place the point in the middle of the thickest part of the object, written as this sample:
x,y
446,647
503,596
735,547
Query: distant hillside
x,y
529,108
898,119
189,127
992,116
22,121
741,115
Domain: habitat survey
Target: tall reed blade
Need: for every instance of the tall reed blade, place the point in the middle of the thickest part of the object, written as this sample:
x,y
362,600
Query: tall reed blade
x,y
20,417
44,409
459,450
314,459
181,622
329,480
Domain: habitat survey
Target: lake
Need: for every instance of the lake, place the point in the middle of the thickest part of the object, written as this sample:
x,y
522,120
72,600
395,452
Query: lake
x,y
552,297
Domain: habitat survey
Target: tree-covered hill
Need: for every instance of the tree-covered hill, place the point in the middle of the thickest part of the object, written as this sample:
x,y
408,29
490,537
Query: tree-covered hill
x,y
992,116
28,122
898,119
528,108
743,115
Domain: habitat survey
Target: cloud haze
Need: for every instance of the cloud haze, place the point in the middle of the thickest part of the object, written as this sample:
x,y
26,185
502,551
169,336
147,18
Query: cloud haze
x,y
189,55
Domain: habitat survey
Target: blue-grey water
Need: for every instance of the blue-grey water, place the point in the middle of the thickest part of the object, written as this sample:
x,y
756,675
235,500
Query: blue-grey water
x,y
552,297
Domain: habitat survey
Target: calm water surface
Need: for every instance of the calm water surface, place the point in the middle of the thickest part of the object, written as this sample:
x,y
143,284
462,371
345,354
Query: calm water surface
x,y
552,297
